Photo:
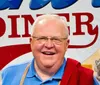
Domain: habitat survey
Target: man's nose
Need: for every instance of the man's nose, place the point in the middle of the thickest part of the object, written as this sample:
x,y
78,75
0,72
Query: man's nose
x,y
49,44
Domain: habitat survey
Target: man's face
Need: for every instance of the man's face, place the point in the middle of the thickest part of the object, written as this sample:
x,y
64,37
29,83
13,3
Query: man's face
x,y
48,53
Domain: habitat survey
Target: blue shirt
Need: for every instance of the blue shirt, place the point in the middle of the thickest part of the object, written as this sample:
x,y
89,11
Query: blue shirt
x,y
12,76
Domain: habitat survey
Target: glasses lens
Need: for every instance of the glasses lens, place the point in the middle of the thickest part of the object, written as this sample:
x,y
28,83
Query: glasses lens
x,y
42,39
56,40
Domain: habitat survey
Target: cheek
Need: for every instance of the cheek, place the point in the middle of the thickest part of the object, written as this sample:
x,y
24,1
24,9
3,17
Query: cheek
x,y
62,48
36,47
35,50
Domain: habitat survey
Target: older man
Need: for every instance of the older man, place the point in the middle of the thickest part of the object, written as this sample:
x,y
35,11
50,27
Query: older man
x,y
49,42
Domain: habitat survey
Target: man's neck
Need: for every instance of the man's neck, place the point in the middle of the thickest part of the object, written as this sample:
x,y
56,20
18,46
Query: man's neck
x,y
46,73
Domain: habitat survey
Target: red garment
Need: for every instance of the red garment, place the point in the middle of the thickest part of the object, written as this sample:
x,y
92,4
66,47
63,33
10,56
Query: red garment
x,y
75,74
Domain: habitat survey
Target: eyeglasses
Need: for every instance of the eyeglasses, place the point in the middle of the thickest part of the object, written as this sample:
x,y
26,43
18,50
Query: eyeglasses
x,y
44,39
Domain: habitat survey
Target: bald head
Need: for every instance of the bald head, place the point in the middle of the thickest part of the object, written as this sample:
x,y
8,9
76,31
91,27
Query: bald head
x,y
50,19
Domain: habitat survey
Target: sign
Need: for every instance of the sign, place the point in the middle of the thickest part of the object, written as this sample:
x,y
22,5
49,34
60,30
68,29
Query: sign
x,y
17,17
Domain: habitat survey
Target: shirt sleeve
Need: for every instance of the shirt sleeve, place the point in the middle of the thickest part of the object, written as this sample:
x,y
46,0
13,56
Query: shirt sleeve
x,y
96,82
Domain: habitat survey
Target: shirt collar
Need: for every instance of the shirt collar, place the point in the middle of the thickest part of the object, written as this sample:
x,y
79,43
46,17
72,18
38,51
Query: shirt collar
x,y
58,75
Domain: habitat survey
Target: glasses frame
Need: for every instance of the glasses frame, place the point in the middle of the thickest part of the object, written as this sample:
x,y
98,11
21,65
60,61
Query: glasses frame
x,y
54,39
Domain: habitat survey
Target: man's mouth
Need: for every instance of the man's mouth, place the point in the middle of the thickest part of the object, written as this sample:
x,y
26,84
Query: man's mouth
x,y
48,53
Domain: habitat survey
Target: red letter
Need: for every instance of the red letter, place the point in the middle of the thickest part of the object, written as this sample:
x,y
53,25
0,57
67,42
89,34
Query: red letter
x,y
14,26
90,29
26,19
2,27
79,22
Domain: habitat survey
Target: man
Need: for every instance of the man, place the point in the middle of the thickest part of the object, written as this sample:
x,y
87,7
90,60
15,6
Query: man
x,y
49,42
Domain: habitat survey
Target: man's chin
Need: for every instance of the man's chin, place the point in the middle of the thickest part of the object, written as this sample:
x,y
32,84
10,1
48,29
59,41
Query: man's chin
x,y
48,65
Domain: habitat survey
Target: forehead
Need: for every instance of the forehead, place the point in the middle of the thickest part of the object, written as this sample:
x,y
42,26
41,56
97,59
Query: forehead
x,y
46,26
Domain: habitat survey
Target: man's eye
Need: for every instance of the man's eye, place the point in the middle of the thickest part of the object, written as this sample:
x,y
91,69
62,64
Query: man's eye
x,y
56,39
41,38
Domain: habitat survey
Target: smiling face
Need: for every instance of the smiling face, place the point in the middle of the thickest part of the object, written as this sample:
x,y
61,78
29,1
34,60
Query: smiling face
x,y
49,54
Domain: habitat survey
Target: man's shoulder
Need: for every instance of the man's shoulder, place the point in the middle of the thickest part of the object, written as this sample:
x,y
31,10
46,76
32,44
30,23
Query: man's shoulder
x,y
14,73
14,69
79,66
76,72
73,62
83,72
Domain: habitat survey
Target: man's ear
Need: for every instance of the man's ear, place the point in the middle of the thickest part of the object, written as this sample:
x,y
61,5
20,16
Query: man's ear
x,y
67,44
68,41
30,40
